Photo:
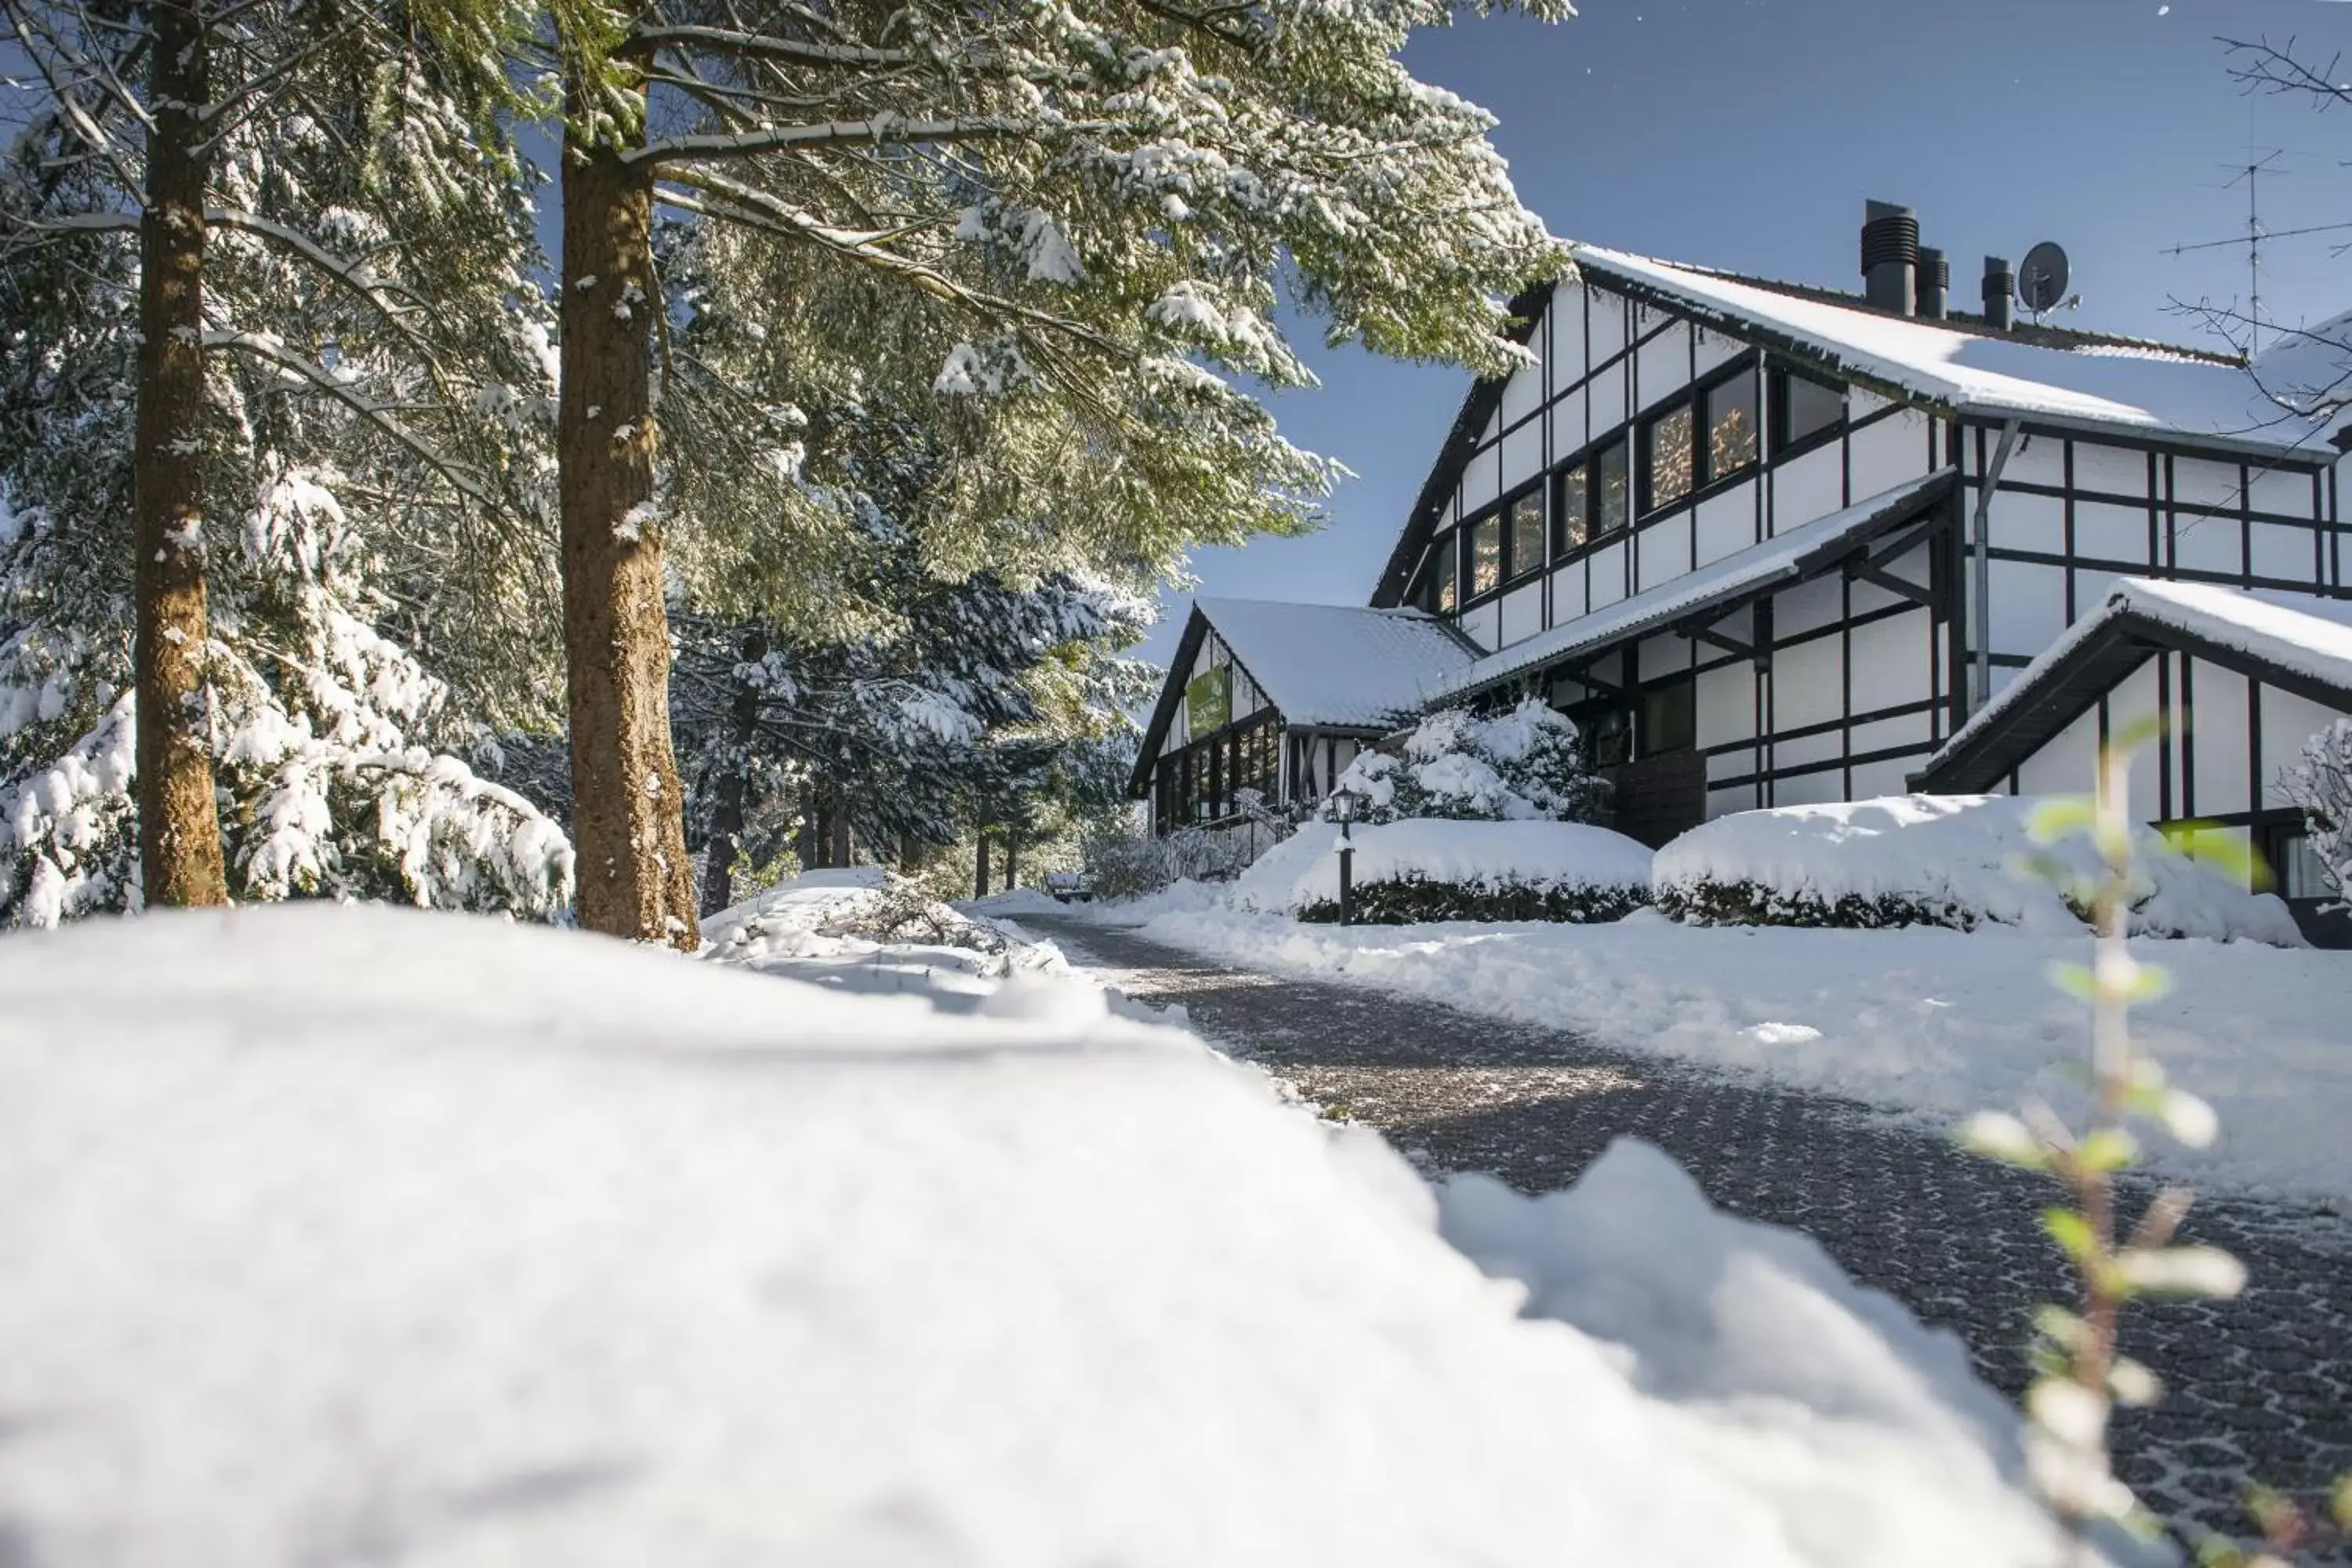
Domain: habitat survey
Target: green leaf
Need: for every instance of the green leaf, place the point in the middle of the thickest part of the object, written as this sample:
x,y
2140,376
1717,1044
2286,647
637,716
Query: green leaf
x,y
2073,1234
2136,734
2055,818
1998,1136
2076,980
2108,1148
2222,850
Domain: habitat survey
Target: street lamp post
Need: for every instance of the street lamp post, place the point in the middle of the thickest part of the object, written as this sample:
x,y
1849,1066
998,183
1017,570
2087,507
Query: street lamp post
x,y
1345,805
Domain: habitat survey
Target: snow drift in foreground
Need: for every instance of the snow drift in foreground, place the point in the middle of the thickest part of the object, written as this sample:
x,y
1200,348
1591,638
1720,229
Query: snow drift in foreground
x,y
1921,1019
1303,868
356,1235
1959,858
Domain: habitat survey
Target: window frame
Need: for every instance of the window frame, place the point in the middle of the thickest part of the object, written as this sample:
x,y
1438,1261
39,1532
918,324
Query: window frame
x,y
1515,571
1703,428
1685,405
1563,549
1780,444
1467,592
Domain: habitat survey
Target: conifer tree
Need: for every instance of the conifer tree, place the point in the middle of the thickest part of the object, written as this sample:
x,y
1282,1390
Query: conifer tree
x,y
370,399
1089,213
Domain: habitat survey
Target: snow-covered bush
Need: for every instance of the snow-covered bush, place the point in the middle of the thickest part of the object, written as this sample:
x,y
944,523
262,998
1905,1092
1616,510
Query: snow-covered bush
x,y
1416,871
2320,785
1525,766
1139,863
1961,861
321,732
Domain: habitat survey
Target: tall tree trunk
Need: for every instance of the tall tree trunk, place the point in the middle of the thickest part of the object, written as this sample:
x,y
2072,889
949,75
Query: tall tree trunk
x,y
979,880
179,818
628,817
840,831
1012,861
726,808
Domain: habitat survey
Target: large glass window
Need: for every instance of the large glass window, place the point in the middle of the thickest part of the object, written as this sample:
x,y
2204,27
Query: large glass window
x,y
1610,503
1443,599
1669,719
1612,739
1807,407
1485,556
1733,435
1570,514
1527,537
1669,458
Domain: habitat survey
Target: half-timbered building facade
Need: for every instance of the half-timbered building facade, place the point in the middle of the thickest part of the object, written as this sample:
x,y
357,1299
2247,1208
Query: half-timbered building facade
x,y
1774,545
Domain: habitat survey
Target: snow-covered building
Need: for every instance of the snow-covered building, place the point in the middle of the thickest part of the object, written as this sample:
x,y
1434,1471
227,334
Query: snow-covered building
x,y
1773,544
1280,697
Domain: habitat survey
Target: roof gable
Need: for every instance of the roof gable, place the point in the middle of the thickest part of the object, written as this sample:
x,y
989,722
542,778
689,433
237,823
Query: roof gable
x,y
2300,643
2148,389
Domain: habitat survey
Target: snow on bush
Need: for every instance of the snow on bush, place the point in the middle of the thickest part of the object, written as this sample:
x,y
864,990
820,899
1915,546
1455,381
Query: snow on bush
x,y
2320,785
1525,766
1416,869
467,1242
318,726
862,928
1961,861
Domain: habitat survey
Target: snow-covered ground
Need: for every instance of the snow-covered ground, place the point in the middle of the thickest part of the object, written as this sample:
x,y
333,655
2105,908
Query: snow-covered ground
x,y
353,1235
1923,1020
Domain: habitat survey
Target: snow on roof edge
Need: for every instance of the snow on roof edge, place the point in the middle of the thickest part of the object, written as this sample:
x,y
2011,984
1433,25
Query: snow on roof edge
x,y
2202,609
1322,666
1735,573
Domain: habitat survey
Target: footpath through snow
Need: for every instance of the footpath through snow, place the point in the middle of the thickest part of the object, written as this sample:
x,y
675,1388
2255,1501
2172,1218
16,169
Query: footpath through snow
x,y
1922,1020
349,1234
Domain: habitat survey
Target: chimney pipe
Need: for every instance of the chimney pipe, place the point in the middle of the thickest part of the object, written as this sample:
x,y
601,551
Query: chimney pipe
x,y
1935,285
2000,284
1890,257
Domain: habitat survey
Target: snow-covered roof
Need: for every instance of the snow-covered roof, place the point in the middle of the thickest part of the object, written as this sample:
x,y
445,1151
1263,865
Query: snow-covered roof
x,y
2299,635
1338,665
1785,557
2141,386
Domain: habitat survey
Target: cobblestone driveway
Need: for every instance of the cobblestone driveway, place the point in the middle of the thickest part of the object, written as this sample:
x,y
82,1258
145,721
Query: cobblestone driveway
x,y
2261,1385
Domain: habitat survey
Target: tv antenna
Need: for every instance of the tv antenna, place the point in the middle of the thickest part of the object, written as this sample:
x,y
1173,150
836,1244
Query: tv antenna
x,y
2260,160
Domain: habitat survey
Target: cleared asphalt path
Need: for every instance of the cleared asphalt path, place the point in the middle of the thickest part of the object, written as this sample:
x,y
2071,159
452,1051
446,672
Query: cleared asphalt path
x,y
2260,1386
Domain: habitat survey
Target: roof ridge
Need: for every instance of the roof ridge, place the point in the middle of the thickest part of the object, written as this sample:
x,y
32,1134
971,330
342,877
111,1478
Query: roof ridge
x,y
2030,333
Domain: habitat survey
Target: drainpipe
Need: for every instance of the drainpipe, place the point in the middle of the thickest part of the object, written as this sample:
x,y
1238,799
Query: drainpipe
x,y
1981,615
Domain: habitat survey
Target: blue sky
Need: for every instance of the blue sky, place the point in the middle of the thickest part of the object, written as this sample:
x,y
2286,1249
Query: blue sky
x,y
1747,134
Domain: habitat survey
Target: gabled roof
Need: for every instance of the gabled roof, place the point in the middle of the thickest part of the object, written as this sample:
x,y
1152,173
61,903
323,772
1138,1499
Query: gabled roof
x,y
2300,643
1338,667
2064,379
2041,375
1716,589
1323,667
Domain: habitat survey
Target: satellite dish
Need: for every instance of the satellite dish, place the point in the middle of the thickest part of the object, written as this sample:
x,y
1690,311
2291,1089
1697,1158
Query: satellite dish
x,y
2041,281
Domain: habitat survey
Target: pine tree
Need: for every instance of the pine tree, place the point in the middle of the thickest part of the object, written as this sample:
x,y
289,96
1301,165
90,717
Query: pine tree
x,y
1085,212
372,400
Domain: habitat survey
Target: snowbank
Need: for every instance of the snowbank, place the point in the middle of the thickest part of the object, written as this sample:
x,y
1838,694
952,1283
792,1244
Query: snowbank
x,y
354,1234
1480,857
1013,902
1955,860
856,929
1922,1020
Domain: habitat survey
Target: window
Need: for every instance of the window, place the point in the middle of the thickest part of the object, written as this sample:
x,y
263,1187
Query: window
x,y
1442,598
1610,501
1669,719
1485,556
1527,536
1667,458
1570,519
2302,874
1807,408
1612,739
1733,435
